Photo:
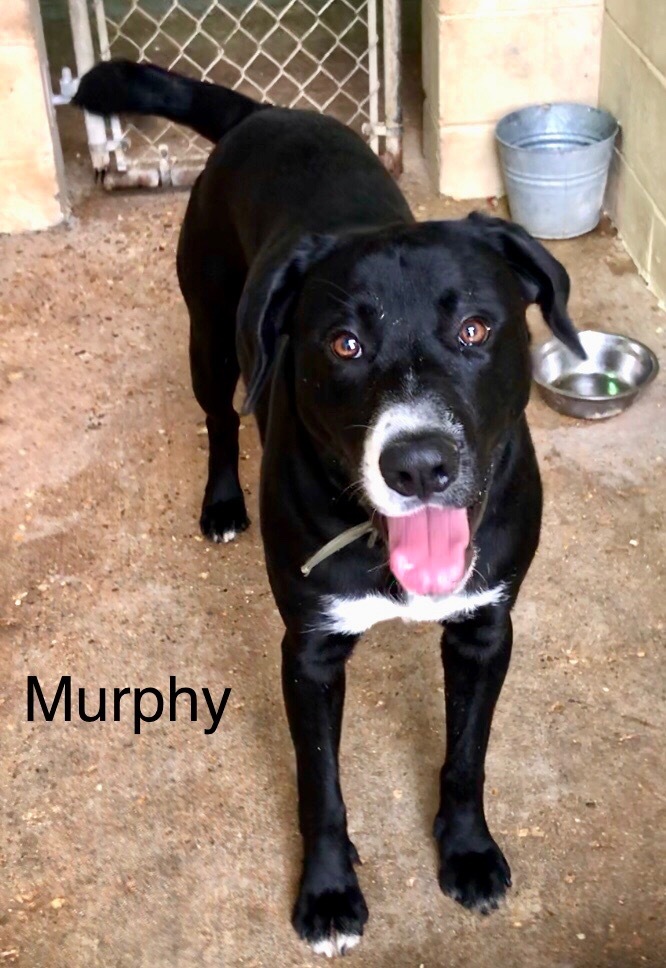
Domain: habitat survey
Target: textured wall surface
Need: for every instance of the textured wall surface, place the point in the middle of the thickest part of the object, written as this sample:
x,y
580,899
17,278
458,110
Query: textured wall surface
x,y
633,87
483,58
32,190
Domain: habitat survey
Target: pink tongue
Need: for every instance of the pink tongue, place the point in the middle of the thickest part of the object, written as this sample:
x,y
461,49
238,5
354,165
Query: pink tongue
x,y
427,549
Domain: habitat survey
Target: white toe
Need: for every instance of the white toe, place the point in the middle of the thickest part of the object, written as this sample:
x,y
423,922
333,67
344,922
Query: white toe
x,y
347,941
336,944
324,947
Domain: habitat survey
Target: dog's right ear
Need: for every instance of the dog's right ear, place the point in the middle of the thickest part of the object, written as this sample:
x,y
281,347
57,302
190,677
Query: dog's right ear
x,y
270,291
543,279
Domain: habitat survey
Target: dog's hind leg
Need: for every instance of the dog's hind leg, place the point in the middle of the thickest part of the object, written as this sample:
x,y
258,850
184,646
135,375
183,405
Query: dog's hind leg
x,y
215,372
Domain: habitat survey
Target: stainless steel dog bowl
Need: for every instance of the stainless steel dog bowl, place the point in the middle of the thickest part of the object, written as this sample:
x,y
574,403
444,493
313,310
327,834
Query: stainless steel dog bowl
x,y
616,371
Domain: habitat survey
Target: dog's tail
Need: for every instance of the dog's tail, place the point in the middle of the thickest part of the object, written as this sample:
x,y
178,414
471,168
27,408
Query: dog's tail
x,y
119,86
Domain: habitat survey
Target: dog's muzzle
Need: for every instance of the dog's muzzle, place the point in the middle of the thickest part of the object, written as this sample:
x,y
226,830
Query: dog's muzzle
x,y
412,476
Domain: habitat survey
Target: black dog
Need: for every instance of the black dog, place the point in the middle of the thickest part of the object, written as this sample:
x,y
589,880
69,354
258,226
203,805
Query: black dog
x,y
388,366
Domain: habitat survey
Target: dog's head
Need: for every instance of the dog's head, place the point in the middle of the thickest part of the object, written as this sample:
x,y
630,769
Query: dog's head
x,y
410,362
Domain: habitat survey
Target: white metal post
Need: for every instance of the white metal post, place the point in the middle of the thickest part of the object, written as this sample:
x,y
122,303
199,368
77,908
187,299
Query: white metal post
x,y
373,77
392,67
105,54
84,53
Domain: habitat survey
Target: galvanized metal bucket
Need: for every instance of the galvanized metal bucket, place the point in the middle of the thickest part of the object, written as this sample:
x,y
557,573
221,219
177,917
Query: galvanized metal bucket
x,y
555,159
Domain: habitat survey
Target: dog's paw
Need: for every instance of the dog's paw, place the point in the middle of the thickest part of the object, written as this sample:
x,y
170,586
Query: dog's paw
x,y
331,922
478,879
224,520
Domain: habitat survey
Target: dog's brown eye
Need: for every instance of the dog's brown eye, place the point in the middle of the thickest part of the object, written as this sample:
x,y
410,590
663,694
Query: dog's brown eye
x,y
473,332
346,346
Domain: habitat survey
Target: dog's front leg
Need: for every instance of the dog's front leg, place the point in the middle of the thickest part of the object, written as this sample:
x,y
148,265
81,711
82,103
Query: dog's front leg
x,y
476,654
330,911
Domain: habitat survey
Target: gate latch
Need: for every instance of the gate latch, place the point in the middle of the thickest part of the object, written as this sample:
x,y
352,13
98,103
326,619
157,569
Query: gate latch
x,y
68,87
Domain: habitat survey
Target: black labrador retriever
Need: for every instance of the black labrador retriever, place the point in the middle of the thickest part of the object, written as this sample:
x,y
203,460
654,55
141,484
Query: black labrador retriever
x,y
387,362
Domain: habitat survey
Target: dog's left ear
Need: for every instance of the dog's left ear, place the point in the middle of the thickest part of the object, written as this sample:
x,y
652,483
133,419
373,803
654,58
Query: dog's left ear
x,y
270,290
544,280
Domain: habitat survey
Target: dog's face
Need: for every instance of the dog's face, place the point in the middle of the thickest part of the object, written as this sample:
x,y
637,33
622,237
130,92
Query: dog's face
x,y
411,362
408,353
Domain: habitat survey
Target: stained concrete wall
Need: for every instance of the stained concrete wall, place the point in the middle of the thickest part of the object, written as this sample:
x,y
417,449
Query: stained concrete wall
x,y
31,182
483,58
633,87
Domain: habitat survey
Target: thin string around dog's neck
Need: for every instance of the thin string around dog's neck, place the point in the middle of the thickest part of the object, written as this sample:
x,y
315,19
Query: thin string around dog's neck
x,y
338,543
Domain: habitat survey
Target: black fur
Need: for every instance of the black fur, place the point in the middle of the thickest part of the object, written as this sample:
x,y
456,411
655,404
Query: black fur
x,y
121,86
294,231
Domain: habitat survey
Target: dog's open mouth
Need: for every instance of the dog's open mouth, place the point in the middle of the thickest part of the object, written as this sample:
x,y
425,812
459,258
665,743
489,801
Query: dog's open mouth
x,y
430,551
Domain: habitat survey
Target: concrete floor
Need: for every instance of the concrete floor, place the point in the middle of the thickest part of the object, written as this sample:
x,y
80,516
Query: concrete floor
x,y
174,849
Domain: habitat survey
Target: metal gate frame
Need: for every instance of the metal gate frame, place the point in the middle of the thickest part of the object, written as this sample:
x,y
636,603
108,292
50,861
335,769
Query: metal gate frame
x,y
107,142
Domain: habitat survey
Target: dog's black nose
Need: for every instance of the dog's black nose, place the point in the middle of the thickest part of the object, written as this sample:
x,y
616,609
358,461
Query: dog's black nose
x,y
420,465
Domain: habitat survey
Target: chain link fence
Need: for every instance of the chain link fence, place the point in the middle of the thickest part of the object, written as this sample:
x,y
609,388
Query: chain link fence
x,y
320,55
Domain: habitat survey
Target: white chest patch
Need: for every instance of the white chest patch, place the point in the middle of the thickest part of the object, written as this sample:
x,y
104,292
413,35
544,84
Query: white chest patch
x,y
351,616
